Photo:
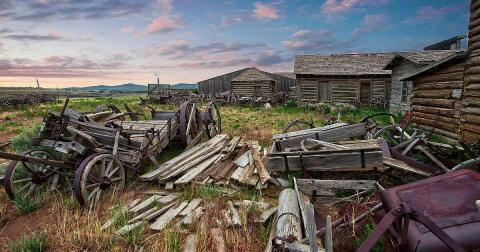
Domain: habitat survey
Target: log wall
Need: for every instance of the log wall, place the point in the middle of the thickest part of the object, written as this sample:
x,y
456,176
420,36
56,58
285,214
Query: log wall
x,y
436,99
222,83
470,120
341,89
247,89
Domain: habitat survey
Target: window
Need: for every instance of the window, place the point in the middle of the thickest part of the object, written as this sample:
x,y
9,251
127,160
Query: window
x,y
405,89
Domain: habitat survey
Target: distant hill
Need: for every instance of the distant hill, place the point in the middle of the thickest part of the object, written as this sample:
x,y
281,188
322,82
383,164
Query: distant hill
x,y
129,88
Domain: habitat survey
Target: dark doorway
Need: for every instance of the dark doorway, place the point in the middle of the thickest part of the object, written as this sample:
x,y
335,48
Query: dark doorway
x,y
365,93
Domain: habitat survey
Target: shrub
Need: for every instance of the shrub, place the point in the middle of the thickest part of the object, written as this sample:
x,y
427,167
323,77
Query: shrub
x,y
209,191
344,108
25,205
35,242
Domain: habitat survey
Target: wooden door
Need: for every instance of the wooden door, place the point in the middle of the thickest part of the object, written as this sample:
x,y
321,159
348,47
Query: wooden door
x,y
365,94
258,91
324,91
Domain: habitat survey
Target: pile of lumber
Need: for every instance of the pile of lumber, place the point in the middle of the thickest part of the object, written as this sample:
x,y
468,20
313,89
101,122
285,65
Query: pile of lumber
x,y
220,160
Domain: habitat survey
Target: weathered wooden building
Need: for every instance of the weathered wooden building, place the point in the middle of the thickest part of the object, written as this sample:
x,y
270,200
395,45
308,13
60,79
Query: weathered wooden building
x,y
253,83
437,95
454,43
400,65
470,116
343,78
222,83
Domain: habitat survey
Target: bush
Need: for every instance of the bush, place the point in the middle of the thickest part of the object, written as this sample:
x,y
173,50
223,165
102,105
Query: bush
x,y
35,242
344,108
25,205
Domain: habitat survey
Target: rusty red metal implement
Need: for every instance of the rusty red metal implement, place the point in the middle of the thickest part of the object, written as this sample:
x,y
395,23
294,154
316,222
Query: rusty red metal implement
x,y
449,201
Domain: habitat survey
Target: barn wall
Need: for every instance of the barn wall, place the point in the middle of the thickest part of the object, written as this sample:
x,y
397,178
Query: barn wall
x,y
340,90
470,121
436,99
222,83
401,69
247,88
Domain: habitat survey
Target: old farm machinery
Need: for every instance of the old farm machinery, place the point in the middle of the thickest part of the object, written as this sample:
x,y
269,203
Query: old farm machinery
x,y
97,152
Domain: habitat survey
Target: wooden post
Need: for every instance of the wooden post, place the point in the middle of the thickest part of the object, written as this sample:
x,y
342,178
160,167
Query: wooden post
x,y
288,220
329,235
312,227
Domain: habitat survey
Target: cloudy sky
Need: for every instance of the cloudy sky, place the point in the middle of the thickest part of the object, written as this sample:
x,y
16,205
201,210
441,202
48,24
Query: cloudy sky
x,y
89,42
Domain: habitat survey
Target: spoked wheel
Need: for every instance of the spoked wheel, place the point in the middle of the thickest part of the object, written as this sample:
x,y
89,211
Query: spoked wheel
x,y
98,175
298,124
110,107
190,123
212,120
391,133
29,180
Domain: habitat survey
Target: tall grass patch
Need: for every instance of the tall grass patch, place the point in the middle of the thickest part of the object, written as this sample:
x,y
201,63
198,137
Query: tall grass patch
x,y
34,242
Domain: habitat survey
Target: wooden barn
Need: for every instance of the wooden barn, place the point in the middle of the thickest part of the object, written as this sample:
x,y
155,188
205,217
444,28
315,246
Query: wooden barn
x,y
437,95
343,78
470,116
402,64
253,83
222,83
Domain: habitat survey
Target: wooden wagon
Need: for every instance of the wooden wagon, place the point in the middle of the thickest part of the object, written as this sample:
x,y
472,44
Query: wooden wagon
x,y
95,153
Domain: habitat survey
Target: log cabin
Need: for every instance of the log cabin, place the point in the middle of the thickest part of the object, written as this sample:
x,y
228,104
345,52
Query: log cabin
x,y
253,83
403,63
343,78
282,82
437,96
470,112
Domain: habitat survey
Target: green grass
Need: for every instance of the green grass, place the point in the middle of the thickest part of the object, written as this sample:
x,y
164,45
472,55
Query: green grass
x,y
172,240
367,230
23,141
26,205
209,191
34,242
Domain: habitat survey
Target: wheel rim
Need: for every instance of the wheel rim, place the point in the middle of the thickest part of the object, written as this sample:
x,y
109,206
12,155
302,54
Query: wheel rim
x,y
213,122
29,180
110,107
189,132
97,176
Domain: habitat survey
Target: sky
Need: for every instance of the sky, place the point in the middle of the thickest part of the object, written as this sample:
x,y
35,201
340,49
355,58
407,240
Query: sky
x,y
66,43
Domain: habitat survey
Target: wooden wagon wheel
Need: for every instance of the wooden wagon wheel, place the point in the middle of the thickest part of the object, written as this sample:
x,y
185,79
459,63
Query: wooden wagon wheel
x,y
212,120
190,123
392,133
96,176
298,124
110,107
28,180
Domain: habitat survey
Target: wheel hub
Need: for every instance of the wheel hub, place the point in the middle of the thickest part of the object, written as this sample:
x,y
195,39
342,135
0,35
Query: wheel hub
x,y
38,177
105,184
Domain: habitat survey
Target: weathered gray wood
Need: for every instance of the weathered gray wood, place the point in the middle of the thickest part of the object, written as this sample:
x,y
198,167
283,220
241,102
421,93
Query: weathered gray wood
x,y
190,244
115,144
288,220
145,204
329,235
236,221
163,220
301,205
311,226
193,216
125,229
248,204
308,131
402,165
196,170
190,207
143,215
308,185
114,218
158,212
168,198
266,215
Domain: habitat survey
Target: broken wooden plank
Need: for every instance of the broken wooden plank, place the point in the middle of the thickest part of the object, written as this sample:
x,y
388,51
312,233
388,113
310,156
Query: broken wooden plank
x,y
196,170
311,226
163,220
288,220
194,215
122,211
260,165
301,205
266,215
236,221
168,198
143,215
145,204
308,185
159,212
190,207
399,164
126,229
248,204
329,235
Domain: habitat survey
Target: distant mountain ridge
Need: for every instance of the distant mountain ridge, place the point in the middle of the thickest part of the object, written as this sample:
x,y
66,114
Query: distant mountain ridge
x,y
130,88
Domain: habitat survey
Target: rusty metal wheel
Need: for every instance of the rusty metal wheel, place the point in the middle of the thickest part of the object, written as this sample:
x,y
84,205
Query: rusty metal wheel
x,y
110,107
98,175
190,123
212,120
28,180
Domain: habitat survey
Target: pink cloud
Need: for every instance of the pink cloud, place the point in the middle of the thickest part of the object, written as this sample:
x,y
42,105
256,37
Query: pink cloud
x,y
293,44
128,29
264,11
54,35
340,6
371,23
162,25
429,13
